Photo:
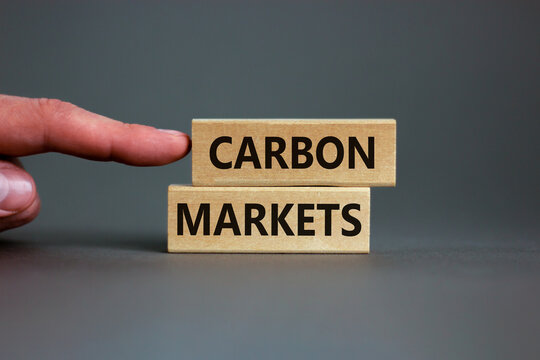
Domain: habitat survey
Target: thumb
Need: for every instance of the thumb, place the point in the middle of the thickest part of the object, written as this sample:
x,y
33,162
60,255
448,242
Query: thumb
x,y
19,202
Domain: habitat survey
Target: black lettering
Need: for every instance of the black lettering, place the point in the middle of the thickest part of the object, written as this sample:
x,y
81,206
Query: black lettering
x,y
302,220
327,216
269,153
213,152
254,220
296,152
368,159
227,209
351,219
320,152
280,218
247,142
202,214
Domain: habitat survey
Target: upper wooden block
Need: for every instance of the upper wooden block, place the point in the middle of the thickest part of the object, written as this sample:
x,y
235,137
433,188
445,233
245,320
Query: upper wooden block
x,y
289,152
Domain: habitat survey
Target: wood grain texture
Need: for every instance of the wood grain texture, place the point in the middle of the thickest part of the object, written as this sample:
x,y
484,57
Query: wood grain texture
x,y
314,227
321,133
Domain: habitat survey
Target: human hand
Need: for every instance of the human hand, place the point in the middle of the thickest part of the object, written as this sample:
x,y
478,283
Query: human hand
x,y
32,126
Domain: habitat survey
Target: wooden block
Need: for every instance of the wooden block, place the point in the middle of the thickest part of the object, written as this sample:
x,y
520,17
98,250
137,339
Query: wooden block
x,y
288,152
268,219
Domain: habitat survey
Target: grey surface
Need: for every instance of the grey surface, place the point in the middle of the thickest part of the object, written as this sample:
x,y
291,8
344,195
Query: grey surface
x,y
454,271
90,295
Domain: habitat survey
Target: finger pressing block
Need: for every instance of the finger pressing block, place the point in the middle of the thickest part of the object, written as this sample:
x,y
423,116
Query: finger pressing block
x,y
268,219
289,152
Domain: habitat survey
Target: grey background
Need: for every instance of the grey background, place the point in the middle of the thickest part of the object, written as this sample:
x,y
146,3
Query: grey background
x,y
454,270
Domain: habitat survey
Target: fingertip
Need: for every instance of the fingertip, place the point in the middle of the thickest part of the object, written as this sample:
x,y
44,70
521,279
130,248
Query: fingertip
x,y
177,144
176,147
17,191
23,217
142,145
185,145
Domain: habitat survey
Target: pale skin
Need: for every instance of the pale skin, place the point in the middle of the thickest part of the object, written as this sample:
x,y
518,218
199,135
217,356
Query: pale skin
x,y
33,126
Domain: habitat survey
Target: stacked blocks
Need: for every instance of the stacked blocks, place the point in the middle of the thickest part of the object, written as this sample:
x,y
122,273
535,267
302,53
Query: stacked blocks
x,y
287,185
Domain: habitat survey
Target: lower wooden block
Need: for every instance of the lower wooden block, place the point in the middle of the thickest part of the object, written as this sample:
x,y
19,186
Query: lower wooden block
x,y
268,219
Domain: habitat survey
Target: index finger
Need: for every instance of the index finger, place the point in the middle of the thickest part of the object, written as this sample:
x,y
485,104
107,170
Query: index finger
x,y
31,126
